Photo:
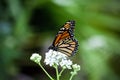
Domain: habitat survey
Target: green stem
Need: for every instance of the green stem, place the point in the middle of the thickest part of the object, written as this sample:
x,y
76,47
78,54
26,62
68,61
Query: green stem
x,y
61,71
45,71
71,77
57,74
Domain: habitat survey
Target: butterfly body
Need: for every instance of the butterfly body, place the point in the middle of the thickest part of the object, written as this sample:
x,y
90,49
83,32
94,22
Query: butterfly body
x,y
64,41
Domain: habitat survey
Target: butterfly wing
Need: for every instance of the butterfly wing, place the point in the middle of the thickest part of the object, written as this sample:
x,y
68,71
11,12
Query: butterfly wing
x,y
68,46
64,40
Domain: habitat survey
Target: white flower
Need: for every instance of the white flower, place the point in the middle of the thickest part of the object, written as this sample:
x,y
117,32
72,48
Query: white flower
x,y
76,67
66,63
36,58
57,58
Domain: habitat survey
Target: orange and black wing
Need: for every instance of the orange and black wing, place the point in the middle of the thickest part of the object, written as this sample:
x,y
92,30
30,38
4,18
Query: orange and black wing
x,y
64,40
68,46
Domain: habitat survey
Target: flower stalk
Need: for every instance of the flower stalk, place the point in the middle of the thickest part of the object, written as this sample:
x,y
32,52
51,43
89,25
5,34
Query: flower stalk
x,y
45,71
56,59
37,58
61,71
57,73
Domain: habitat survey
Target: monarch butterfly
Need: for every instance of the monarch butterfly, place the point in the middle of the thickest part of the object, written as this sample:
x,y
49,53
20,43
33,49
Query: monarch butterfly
x,y
64,41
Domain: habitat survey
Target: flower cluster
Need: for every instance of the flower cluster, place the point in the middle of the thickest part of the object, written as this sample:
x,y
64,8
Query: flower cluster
x,y
57,58
36,58
76,68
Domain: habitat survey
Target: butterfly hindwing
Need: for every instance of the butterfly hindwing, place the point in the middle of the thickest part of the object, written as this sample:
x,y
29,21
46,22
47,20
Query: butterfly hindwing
x,y
68,46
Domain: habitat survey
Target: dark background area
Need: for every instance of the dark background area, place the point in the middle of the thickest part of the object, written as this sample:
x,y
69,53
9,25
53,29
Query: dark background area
x,y
29,26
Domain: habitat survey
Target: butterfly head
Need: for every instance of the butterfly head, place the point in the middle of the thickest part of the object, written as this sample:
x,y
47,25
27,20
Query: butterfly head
x,y
53,47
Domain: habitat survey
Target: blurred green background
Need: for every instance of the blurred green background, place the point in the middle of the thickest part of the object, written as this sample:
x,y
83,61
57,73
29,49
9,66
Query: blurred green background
x,y
29,26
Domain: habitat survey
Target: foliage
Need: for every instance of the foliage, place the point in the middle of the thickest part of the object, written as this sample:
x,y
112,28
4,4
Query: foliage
x,y
27,26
